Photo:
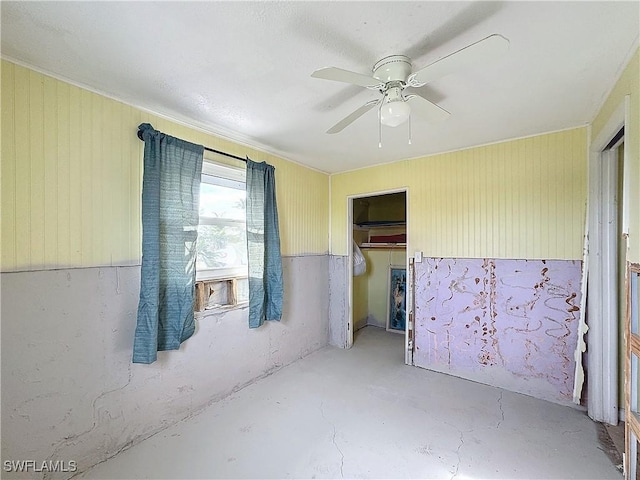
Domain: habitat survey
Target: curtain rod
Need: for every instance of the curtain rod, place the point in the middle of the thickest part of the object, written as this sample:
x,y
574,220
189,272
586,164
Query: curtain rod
x,y
206,148
225,154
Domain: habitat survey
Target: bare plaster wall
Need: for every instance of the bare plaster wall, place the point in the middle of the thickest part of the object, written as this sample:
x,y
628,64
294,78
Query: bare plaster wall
x,y
338,300
69,389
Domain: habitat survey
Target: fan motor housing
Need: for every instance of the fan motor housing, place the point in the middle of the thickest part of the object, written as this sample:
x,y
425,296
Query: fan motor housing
x,y
392,68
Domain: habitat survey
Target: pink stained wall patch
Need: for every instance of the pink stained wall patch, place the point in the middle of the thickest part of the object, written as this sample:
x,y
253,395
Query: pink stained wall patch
x,y
507,323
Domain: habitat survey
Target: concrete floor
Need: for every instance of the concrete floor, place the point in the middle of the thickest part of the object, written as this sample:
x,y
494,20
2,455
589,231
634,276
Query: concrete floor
x,y
362,413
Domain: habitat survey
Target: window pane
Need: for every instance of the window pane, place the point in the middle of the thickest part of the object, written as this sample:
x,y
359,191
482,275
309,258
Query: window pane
x,y
222,202
221,246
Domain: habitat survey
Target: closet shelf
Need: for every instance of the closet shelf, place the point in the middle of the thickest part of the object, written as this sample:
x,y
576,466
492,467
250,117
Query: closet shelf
x,y
379,224
383,234
383,245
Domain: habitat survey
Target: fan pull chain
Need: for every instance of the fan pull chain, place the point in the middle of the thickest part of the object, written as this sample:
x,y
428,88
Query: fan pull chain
x,y
380,126
409,129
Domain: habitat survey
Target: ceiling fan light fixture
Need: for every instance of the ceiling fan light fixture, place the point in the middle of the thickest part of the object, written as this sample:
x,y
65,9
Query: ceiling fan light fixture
x,y
394,113
394,73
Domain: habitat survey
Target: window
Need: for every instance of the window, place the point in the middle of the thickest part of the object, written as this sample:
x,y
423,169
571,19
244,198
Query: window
x,y
221,265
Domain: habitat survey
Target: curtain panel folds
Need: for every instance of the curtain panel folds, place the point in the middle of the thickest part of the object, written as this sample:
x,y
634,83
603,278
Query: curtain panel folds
x,y
263,245
170,200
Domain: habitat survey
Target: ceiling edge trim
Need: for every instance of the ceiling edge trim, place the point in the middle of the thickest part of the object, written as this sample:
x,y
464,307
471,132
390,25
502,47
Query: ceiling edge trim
x,y
218,131
481,145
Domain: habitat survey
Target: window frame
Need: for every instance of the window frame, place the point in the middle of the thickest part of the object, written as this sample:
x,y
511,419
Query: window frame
x,y
215,173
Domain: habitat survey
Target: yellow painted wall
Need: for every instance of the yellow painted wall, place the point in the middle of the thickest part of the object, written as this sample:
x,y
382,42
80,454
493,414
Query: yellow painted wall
x,y
71,178
378,262
360,300
391,207
628,84
518,199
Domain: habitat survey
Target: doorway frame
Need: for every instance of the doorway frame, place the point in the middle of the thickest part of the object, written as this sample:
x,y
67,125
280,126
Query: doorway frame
x,y
602,303
409,298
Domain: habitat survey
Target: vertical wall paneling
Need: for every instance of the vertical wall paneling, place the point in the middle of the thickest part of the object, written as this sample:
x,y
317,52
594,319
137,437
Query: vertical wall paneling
x,y
109,168
37,172
465,206
566,231
76,187
543,195
483,167
8,172
88,215
136,153
62,149
504,219
112,152
518,199
22,192
511,199
72,178
50,151
122,181
98,180
529,194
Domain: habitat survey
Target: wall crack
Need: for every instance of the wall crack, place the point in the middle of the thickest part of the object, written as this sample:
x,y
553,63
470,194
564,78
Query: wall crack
x,y
74,439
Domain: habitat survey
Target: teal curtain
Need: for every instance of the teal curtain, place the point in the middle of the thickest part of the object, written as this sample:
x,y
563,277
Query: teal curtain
x,y
263,245
170,197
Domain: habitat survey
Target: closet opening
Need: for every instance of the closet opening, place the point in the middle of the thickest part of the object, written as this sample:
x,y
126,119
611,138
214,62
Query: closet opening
x,y
379,274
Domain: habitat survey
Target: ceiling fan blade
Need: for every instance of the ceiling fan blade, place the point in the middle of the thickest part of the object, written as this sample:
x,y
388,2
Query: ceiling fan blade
x,y
340,75
353,116
481,51
427,109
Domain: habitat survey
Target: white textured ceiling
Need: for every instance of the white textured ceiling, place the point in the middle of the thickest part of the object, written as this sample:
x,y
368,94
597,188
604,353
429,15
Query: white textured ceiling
x,y
242,69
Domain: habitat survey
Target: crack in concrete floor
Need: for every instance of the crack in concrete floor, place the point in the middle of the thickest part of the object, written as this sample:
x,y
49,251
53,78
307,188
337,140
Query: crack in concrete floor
x,y
501,410
333,439
457,467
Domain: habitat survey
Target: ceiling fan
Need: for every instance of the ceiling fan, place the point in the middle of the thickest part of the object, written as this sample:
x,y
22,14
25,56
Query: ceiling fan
x,y
393,74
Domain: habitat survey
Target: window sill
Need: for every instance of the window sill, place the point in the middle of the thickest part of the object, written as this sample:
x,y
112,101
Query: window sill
x,y
220,309
220,274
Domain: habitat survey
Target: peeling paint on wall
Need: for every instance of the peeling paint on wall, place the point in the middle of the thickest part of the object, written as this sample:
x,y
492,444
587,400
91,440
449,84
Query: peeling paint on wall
x,y
508,323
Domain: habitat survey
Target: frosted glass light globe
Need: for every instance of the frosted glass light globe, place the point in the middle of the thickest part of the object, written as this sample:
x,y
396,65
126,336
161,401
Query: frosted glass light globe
x,y
393,114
